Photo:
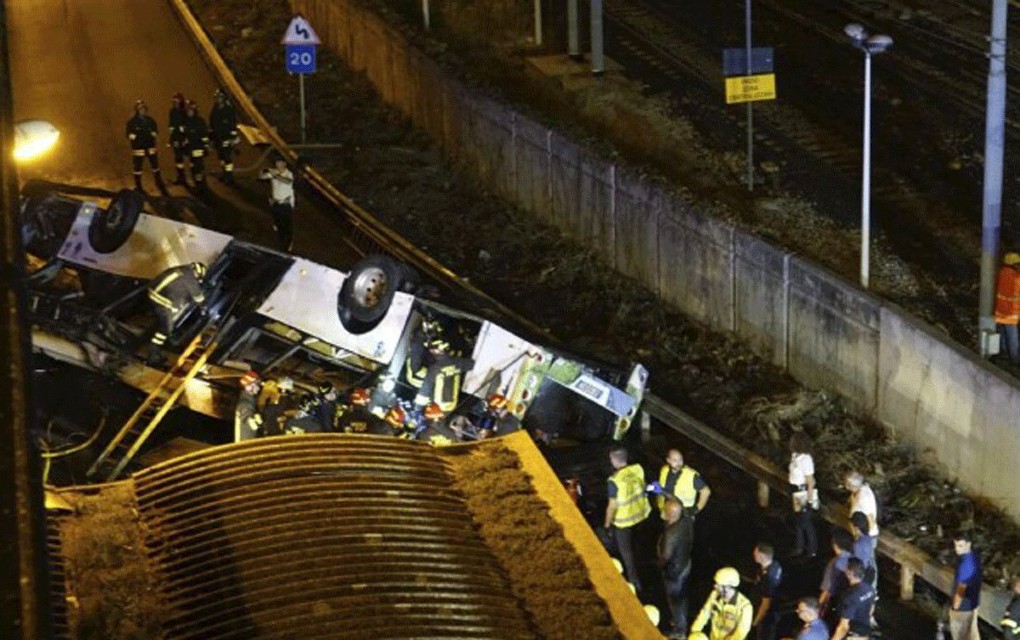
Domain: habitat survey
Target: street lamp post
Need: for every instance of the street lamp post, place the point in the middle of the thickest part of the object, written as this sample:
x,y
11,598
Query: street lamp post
x,y
870,45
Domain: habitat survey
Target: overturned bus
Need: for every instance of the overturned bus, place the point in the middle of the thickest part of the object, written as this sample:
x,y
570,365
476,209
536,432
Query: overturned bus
x,y
279,314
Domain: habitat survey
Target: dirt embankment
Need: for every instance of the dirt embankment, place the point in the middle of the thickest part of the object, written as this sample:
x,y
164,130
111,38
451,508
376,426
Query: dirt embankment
x,y
393,170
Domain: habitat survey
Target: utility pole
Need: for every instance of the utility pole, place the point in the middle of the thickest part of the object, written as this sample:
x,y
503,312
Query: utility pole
x,y
991,217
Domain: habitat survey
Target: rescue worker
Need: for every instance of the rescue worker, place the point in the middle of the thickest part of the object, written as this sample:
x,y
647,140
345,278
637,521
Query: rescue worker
x,y
301,419
198,144
627,507
436,430
1007,305
141,132
223,132
173,294
727,613
442,380
177,125
674,554
281,201
275,401
683,482
1010,622
357,418
767,583
326,405
497,419
834,582
813,627
247,420
855,609
396,418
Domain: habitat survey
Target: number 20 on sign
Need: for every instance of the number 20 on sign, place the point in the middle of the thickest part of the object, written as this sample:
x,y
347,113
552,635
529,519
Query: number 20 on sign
x,y
751,88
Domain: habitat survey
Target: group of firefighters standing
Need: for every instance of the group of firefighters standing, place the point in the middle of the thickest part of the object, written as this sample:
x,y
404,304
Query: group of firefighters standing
x,y
189,138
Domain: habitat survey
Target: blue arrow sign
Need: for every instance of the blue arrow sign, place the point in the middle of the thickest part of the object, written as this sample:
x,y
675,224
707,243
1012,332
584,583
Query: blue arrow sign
x,y
300,58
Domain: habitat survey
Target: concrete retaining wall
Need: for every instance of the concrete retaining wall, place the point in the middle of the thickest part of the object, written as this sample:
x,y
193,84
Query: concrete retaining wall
x,y
826,332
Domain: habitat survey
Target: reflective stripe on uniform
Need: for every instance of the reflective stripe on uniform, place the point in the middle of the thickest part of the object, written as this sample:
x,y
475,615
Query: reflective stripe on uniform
x,y
197,153
138,152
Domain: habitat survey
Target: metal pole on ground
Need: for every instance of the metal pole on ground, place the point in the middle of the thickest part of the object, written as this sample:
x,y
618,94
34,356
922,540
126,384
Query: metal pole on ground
x,y
750,105
573,40
425,14
991,211
301,90
598,62
538,22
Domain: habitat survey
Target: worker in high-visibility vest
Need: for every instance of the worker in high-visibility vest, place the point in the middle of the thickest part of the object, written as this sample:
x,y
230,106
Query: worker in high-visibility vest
x,y
727,612
627,507
686,484
1007,305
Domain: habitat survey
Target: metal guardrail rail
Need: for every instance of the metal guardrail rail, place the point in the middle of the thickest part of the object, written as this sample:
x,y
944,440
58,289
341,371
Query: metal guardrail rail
x,y
912,561
244,537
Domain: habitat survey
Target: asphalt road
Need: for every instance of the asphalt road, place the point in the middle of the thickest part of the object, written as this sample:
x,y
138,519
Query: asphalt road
x,y
81,65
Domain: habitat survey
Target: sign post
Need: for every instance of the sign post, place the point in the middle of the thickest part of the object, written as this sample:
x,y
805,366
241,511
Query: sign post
x,y
749,77
300,42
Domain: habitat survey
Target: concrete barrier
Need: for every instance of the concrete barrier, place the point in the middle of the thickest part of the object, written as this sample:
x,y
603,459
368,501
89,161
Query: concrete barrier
x,y
932,393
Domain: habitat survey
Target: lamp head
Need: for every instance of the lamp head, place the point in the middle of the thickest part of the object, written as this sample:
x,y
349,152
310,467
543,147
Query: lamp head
x,y
878,44
33,138
856,32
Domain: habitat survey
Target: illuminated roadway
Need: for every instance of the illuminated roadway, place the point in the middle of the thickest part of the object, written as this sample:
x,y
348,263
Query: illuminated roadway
x,y
82,64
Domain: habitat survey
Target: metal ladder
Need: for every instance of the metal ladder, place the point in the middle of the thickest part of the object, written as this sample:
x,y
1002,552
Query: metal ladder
x,y
156,406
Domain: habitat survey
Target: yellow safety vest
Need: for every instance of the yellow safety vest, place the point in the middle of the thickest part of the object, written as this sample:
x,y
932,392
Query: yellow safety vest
x,y
729,619
631,502
684,489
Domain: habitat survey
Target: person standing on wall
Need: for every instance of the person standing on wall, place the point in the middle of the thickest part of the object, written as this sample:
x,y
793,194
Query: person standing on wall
x,y
281,201
1007,305
801,476
627,507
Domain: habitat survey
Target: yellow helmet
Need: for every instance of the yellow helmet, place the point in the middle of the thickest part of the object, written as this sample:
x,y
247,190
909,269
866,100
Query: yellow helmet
x,y
697,635
653,613
727,577
1011,258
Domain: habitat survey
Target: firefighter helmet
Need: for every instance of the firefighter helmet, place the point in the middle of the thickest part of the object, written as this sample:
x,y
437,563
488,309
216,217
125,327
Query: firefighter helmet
x,y
727,577
434,412
360,397
1011,258
697,635
653,614
325,387
249,377
497,401
139,105
179,99
199,269
396,417
190,105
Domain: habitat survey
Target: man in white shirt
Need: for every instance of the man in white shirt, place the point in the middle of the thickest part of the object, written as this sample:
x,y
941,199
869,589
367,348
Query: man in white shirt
x,y
281,201
862,499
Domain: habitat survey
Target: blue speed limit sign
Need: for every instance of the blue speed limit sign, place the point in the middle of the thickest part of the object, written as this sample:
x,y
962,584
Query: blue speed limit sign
x,y
300,58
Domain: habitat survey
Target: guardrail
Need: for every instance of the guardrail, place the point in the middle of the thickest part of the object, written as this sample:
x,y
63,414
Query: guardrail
x,y
912,561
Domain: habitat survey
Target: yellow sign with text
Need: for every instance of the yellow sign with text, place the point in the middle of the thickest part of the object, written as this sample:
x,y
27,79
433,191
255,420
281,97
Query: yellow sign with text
x,y
751,88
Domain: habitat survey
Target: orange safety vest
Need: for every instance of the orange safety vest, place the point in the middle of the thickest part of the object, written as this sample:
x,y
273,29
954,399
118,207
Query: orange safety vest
x,y
1007,296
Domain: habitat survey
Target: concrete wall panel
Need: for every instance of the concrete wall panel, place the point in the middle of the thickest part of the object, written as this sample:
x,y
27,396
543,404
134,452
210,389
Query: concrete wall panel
x,y
531,160
760,296
694,259
594,222
833,334
487,144
638,206
947,401
565,183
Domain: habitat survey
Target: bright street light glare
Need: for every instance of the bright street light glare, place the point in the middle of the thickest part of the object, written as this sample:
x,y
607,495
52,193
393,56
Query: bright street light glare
x,y
33,138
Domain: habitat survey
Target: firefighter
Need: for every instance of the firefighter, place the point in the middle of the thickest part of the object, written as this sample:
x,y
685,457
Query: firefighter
x,y
627,508
1007,305
437,376
176,123
274,402
302,419
396,418
436,430
173,294
726,612
141,132
683,482
247,420
497,419
326,405
223,132
198,144
357,418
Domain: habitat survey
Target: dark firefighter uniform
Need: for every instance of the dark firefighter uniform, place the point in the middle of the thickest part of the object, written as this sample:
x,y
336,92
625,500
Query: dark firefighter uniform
x,y
176,123
198,143
141,131
358,419
223,133
173,293
303,420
